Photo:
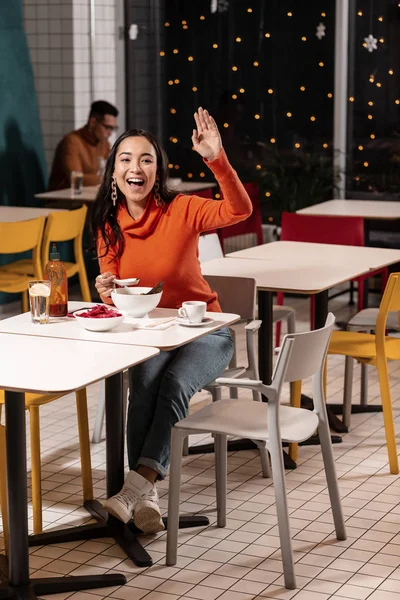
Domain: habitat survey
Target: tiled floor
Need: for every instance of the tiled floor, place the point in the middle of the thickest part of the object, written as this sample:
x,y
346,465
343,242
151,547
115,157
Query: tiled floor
x,y
242,561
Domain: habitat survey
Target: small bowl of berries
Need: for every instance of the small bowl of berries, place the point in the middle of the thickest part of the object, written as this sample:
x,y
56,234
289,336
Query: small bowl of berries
x,y
98,318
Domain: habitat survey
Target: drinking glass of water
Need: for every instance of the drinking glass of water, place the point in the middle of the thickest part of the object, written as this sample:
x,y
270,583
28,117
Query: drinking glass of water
x,y
39,298
76,183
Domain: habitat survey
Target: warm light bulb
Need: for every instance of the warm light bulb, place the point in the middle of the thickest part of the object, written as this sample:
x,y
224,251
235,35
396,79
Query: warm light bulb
x,y
185,27
258,167
270,91
190,175
175,50
175,140
226,125
370,103
249,10
323,14
312,118
257,116
289,114
162,53
267,35
372,136
176,167
297,145
365,164
184,23
361,147
241,90
370,117
380,19
302,88
234,68
166,24
172,111
397,101
234,96
202,174
194,89
202,17
378,84
238,39
325,145
371,79
390,71
190,58
176,81
170,165
218,196
290,14
381,40
330,95
215,45
304,39
170,82
255,63
351,99
268,194
272,140
360,13
321,64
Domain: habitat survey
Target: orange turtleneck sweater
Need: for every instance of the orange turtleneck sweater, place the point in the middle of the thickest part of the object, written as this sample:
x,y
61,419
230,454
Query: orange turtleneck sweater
x,y
162,245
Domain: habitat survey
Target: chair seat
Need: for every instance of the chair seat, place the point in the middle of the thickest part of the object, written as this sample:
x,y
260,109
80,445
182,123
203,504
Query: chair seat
x,y
249,419
25,267
281,312
366,319
362,345
34,399
16,283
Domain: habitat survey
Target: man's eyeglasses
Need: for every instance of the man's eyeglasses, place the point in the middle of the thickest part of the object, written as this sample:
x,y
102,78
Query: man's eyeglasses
x,y
109,128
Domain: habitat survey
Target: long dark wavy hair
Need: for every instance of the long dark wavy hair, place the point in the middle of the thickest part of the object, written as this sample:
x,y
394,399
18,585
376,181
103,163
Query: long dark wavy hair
x,y
104,214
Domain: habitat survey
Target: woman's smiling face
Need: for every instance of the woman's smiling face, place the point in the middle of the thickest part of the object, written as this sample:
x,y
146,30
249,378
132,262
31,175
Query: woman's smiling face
x,y
135,168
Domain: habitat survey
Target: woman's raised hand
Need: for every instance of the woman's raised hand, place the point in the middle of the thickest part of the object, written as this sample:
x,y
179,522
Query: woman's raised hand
x,y
105,283
206,139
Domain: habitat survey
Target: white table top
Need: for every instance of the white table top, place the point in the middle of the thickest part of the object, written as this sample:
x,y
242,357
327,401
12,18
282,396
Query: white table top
x,y
89,192
164,339
368,209
274,276
330,255
44,365
11,214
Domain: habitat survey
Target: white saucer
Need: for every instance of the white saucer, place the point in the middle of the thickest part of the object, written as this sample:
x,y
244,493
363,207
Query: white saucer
x,y
186,323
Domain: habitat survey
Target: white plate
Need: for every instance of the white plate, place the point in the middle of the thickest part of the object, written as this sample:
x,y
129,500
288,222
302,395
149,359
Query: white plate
x,y
131,281
186,323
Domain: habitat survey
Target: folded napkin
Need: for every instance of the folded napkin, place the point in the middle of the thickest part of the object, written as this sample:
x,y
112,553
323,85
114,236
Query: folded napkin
x,y
151,323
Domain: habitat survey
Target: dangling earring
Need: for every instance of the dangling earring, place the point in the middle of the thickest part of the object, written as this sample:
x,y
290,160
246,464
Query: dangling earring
x,y
156,192
113,191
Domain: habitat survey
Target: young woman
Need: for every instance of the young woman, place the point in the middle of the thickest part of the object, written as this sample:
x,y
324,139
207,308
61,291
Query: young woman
x,y
144,230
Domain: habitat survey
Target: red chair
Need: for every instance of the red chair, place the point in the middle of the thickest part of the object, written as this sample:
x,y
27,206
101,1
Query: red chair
x,y
346,231
251,225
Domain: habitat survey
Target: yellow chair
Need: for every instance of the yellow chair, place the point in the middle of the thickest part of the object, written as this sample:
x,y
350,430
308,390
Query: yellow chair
x,y
62,227
33,403
374,350
15,237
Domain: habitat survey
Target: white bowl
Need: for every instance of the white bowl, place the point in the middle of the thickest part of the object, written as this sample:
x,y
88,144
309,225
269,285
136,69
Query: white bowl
x,y
103,324
132,301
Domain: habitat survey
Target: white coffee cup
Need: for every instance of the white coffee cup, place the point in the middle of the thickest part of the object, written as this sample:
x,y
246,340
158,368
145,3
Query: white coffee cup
x,y
193,311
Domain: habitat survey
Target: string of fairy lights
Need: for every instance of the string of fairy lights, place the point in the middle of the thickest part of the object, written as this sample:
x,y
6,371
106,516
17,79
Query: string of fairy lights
x,y
370,22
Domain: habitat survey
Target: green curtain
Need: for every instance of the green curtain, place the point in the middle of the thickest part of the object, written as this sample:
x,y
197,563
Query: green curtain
x,y
22,160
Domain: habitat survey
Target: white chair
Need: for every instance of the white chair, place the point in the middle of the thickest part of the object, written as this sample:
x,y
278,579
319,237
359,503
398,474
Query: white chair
x,y
302,355
363,321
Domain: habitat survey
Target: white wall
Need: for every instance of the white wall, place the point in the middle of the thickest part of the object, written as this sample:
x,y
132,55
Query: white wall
x,y
68,76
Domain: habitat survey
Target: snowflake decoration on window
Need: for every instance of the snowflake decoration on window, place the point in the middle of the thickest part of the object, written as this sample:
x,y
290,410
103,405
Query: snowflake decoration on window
x,y
219,5
320,33
371,43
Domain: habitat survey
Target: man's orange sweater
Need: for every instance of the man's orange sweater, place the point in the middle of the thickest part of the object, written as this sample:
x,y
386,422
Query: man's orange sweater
x,y
77,151
162,245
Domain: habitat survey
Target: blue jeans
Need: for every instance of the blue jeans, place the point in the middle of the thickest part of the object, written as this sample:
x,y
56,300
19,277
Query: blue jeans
x,y
160,390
